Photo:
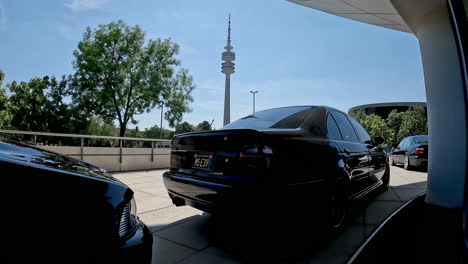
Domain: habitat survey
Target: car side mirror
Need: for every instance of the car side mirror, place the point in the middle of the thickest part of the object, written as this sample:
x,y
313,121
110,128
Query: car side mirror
x,y
378,140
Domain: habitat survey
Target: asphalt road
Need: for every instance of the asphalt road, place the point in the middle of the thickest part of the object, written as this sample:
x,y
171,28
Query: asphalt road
x,y
187,235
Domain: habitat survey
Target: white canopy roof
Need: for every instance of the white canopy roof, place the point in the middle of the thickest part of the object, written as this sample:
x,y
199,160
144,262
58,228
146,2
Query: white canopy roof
x,y
376,12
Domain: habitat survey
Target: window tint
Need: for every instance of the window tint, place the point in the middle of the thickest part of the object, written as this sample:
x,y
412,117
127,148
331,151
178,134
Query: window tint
x,y
333,130
409,142
286,117
402,143
406,143
345,127
421,139
362,133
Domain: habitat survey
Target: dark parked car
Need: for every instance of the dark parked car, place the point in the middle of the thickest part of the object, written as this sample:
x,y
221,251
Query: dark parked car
x,y
312,156
411,152
61,210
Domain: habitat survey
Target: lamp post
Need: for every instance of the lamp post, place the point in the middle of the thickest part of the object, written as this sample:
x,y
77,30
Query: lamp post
x,y
161,128
253,93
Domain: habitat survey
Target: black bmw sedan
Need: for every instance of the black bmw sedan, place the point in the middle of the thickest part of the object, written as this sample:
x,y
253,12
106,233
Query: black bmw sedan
x,y
60,210
313,157
412,152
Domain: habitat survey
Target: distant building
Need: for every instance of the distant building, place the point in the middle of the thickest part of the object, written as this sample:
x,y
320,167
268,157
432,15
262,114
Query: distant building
x,y
383,109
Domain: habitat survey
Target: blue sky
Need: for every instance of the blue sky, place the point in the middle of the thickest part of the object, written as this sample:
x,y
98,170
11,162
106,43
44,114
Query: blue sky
x,y
291,54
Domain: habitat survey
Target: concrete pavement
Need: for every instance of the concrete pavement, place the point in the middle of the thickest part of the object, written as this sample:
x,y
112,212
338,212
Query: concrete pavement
x,y
186,235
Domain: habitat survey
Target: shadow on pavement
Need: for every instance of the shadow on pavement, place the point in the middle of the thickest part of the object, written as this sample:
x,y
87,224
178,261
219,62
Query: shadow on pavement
x,y
274,235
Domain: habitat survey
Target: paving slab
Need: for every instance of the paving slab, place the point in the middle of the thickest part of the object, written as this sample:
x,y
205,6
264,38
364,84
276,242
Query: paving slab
x,y
152,203
162,218
378,211
165,251
406,194
205,258
389,195
180,233
189,233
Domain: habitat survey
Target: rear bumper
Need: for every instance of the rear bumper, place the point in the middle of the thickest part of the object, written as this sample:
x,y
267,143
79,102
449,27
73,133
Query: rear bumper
x,y
418,161
206,196
214,197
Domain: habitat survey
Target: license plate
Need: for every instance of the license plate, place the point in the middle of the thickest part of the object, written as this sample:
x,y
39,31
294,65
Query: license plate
x,y
202,161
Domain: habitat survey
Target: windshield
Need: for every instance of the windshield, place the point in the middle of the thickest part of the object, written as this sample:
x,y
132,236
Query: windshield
x,y
287,117
421,139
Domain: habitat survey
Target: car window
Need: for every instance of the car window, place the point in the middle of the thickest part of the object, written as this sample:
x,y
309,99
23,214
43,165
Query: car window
x,y
402,143
345,127
361,132
333,130
286,117
421,140
407,143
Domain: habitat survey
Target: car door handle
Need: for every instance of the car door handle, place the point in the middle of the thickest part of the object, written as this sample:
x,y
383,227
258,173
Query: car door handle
x,y
347,151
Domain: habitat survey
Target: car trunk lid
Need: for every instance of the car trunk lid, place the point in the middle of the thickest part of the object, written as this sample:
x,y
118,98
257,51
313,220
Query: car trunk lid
x,y
240,152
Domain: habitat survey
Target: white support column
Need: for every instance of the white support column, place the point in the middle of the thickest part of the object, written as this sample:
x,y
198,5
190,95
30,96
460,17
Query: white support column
x,y
446,99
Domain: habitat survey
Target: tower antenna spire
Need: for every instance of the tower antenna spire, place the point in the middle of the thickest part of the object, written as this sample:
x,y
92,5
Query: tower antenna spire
x,y
229,32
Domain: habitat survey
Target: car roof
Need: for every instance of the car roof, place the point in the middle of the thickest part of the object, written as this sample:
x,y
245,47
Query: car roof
x,y
328,108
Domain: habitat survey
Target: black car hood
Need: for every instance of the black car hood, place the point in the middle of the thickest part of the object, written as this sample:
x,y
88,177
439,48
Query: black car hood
x,y
17,152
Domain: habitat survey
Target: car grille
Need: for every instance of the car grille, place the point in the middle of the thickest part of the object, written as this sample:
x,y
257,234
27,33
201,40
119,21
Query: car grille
x,y
125,221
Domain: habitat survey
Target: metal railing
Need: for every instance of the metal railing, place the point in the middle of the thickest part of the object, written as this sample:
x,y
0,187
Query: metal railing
x,y
83,137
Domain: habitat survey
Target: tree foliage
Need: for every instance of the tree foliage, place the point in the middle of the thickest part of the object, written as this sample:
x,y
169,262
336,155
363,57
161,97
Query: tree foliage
x,y
99,127
155,132
375,125
398,124
203,126
2,77
118,76
5,114
414,122
38,105
184,127
394,121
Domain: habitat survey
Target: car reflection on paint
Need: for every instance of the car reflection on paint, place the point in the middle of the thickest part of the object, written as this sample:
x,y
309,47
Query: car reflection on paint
x,y
314,157
62,210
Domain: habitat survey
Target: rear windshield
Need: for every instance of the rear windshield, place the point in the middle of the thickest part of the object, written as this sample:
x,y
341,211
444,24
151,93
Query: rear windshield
x,y
288,117
421,139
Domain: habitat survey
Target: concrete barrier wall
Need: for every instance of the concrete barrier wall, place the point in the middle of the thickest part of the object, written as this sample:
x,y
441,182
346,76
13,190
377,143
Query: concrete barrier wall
x,y
109,158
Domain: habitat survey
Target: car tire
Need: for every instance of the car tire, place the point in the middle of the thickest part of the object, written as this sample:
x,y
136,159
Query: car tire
x,y
407,164
337,213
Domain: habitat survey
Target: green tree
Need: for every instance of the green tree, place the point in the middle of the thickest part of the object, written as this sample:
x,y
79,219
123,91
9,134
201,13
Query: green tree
x,y
30,105
99,127
154,132
2,77
414,122
184,127
375,125
394,121
117,76
205,125
5,114
38,105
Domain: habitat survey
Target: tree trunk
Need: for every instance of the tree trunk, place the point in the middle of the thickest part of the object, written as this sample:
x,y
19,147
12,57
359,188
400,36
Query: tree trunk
x,y
123,128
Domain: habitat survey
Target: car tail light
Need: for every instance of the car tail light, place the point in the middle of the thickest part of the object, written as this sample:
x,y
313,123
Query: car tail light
x,y
419,151
255,152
